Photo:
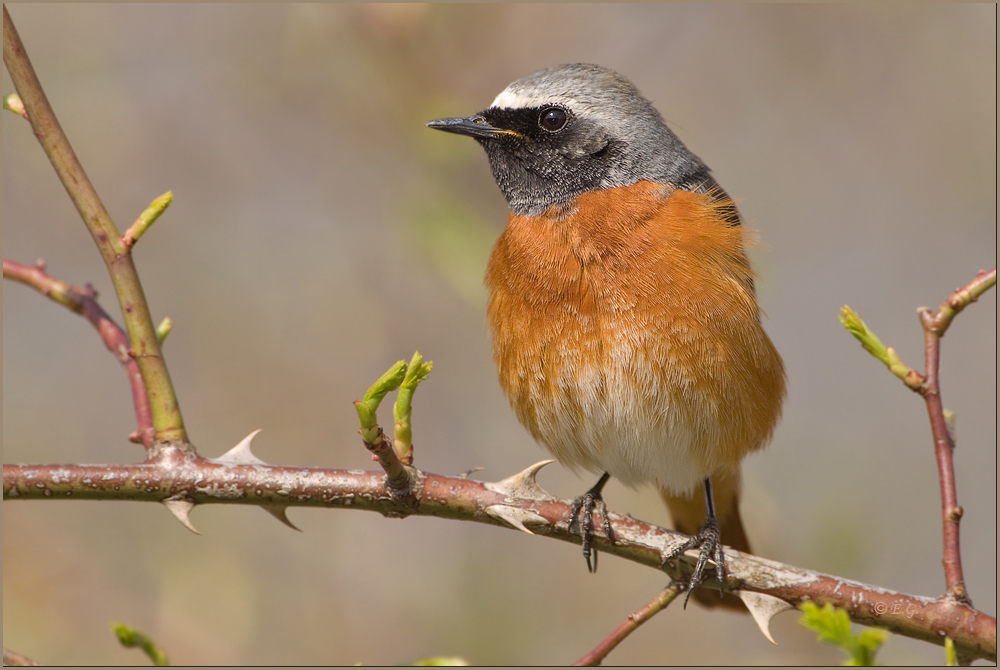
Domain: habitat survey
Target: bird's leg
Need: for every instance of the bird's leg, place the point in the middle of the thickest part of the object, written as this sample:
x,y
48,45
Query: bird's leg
x,y
710,541
580,515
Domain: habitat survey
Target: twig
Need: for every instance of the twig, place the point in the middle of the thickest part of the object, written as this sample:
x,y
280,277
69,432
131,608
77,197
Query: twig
x,y
167,420
935,325
177,475
146,219
662,600
399,479
130,637
962,298
15,659
83,301
402,431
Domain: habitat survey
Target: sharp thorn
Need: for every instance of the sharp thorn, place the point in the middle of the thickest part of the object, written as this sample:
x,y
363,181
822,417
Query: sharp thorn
x,y
523,484
516,517
279,513
241,454
181,508
763,608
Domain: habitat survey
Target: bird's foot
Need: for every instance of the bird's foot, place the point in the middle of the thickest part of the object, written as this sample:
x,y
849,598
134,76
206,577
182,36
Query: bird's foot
x,y
709,539
581,516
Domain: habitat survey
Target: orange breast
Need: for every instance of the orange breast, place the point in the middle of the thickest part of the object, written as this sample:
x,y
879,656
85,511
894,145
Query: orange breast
x,y
627,335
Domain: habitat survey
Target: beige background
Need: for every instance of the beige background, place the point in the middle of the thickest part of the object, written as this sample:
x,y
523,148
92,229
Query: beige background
x,y
320,233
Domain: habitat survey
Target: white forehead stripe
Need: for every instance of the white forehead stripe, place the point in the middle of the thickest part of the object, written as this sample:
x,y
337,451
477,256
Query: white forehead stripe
x,y
509,99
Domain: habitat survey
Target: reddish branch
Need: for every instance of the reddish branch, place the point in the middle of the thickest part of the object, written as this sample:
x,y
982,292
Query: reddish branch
x,y
935,325
83,301
600,652
176,475
11,657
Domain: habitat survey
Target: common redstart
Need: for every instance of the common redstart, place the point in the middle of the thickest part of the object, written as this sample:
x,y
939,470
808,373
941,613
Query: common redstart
x,y
622,307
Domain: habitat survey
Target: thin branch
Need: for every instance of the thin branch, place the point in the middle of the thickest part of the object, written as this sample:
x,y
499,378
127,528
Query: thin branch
x,y
660,602
960,299
83,301
180,476
935,325
399,479
13,658
167,420
402,431
944,449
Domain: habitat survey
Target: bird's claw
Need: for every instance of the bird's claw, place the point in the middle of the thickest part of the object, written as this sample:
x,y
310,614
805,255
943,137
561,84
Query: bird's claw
x,y
581,515
709,539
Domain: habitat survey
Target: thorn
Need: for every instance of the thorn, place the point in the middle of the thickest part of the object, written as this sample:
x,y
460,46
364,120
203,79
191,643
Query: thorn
x,y
763,608
465,475
241,454
181,508
516,516
523,484
279,513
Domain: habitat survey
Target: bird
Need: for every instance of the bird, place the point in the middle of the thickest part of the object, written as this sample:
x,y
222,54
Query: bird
x,y
622,309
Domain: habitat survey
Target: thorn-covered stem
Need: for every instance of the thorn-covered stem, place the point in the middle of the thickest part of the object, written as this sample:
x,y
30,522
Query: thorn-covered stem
x,y
180,474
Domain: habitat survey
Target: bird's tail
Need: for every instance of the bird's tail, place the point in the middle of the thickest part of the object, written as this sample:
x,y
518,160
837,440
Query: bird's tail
x,y
688,512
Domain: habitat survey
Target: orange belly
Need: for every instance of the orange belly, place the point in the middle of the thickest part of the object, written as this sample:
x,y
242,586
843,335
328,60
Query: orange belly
x,y
628,339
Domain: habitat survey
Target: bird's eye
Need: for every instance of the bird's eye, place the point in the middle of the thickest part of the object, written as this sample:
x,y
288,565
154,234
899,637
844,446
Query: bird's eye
x,y
553,119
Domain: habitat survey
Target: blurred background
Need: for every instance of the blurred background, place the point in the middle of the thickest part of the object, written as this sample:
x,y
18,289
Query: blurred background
x,y
320,232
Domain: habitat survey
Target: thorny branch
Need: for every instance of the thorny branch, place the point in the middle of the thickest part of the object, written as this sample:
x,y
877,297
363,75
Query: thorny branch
x,y
176,476
179,476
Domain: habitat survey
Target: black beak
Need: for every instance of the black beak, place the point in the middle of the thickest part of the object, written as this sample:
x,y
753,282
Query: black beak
x,y
473,126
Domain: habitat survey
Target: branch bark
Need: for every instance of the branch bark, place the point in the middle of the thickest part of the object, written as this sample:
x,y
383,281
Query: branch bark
x,y
935,325
176,475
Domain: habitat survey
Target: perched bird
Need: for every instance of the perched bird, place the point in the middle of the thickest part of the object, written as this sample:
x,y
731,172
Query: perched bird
x,y
622,307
